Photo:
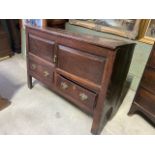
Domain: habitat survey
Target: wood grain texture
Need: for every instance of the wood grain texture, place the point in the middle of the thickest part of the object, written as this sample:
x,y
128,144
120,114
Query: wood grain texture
x,y
152,58
84,65
76,91
5,49
91,39
42,47
86,70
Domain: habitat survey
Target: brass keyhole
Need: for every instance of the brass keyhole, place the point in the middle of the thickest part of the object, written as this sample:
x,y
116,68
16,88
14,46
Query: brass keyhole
x,y
55,58
33,66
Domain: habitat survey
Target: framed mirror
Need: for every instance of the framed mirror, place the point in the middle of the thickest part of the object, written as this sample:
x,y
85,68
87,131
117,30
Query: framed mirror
x,y
123,27
147,31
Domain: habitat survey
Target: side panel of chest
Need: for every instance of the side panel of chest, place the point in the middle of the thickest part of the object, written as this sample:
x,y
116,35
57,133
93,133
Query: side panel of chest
x,y
152,59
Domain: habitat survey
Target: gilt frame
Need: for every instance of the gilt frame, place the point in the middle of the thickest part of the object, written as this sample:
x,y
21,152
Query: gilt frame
x,y
142,33
129,34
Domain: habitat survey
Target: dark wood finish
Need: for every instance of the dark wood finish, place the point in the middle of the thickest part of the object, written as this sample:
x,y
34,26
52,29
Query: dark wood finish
x,y
88,71
14,33
42,69
152,59
41,47
82,95
84,65
56,23
144,101
148,80
5,49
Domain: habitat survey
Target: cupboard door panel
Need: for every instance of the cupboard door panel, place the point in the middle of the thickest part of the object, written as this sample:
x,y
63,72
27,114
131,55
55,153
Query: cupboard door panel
x,y
81,64
41,47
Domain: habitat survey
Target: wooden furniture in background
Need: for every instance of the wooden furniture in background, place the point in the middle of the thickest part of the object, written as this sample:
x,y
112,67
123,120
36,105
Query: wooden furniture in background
x,y
89,71
144,100
55,23
15,34
5,49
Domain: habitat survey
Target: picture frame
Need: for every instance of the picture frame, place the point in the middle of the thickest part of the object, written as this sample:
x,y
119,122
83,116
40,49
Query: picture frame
x,y
128,28
34,22
147,31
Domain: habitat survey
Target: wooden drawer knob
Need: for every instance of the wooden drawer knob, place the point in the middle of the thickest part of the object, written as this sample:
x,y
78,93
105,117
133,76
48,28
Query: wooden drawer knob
x,y
46,73
64,85
83,96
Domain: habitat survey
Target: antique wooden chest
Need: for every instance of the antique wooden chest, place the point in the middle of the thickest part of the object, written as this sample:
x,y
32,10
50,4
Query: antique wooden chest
x,y
88,71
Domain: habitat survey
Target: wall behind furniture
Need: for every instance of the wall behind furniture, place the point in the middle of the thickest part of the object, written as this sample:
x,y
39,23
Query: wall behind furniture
x,y
140,56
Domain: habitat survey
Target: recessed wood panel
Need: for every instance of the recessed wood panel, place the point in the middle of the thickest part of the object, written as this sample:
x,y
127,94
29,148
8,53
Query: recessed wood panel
x,y
82,64
41,47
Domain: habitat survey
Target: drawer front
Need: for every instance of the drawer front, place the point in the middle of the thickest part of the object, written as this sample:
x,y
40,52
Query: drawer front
x,y
80,94
81,64
41,47
40,69
152,59
148,79
146,100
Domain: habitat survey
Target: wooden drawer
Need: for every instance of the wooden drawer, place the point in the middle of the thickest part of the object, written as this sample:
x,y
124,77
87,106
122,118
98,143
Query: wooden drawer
x,y
152,59
41,70
82,96
41,47
148,80
81,64
146,100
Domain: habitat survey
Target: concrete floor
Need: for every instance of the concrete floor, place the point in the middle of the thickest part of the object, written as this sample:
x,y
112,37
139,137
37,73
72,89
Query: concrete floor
x,y
39,111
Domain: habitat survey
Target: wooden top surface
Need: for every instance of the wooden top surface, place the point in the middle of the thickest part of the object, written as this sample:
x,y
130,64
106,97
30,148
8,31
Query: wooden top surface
x,y
100,41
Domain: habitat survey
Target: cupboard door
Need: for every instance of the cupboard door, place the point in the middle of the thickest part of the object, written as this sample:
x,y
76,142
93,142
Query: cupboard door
x,y
81,64
41,47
